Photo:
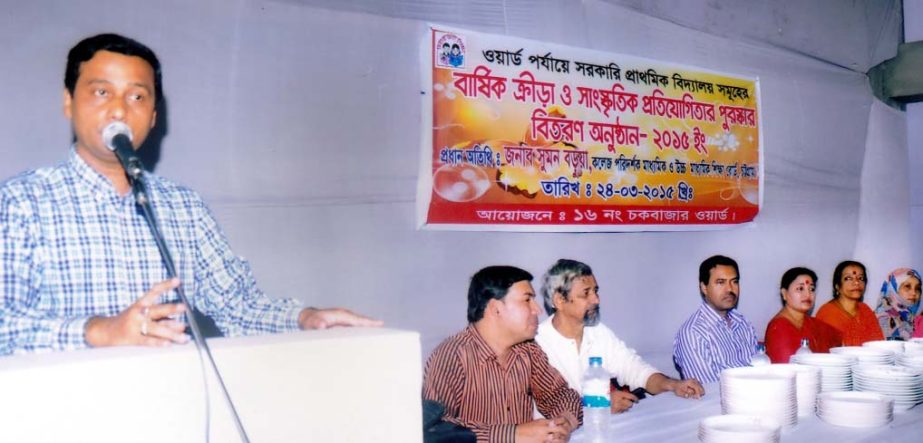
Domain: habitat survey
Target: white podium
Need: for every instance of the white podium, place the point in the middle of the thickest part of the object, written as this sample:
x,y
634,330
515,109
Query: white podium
x,y
337,385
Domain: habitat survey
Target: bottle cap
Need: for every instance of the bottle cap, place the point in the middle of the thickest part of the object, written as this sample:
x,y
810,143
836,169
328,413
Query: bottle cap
x,y
597,361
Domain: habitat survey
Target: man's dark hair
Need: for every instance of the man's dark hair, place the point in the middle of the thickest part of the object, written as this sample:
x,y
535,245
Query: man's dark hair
x,y
491,283
713,262
88,47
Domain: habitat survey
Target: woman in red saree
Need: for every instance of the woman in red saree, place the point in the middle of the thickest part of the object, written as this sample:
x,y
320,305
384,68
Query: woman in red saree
x,y
846,312
794,322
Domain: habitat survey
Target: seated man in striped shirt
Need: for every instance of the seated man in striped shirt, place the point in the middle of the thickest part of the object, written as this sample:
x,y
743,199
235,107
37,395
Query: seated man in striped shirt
x,y
489,375
716,336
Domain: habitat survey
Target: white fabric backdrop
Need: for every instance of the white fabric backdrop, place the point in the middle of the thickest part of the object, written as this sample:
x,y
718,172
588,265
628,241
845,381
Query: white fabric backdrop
x,y
300,126
913,31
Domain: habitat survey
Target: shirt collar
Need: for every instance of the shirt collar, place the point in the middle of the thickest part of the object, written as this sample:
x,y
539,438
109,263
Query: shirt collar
x,y
482,350
93,181
713,317
549,326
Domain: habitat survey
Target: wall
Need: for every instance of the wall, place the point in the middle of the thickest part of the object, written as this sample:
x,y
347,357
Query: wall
x,y
913,32
301,127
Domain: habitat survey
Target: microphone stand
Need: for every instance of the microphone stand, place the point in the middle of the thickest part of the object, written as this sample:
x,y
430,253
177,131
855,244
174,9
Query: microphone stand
x,y
133,169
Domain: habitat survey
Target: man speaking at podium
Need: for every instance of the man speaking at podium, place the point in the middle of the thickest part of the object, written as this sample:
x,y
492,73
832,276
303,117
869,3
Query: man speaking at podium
x,y
79,266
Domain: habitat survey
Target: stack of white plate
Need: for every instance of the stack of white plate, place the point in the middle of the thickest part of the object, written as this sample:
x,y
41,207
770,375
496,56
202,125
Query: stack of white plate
x,y
895,346
866,355
760,392
807,385
835,369
903,385
913,347
739,429
855,409
911,360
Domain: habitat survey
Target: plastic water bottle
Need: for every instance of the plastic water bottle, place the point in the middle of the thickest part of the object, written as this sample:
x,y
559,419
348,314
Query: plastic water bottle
x,y
596,401
760,358
805,347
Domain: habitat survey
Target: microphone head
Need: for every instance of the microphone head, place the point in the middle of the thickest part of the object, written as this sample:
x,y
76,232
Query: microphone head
x,y
113,129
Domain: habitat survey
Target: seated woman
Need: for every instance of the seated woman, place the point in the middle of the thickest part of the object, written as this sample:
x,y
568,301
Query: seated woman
x,y
846,312
794,322
900,299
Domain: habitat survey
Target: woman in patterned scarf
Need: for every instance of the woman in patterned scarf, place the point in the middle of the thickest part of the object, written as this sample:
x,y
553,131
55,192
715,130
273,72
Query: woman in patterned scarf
x,y
900,299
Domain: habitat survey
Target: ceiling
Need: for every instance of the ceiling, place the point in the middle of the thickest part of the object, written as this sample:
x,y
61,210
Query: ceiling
x,y
853,34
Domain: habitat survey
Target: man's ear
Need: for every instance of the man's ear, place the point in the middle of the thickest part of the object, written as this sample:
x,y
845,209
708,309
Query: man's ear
x,y
68,101
490,307
557,300
493,307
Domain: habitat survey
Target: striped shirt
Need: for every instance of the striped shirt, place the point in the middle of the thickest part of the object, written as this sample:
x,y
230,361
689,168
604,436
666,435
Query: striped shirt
x,y
72,248
491,398
706,344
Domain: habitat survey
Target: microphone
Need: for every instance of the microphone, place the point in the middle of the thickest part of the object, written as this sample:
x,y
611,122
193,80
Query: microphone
x,y
117,137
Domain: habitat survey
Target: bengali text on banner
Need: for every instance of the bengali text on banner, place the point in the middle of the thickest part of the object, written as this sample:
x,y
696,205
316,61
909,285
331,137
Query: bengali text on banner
x,y
532,136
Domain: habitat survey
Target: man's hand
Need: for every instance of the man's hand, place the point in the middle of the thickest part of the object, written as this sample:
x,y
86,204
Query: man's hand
x,y
568,420
554,430
622,401
311,318
143,323
690,388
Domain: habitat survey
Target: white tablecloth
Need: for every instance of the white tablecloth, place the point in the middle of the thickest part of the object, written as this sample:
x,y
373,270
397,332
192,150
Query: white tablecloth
x,y
666,418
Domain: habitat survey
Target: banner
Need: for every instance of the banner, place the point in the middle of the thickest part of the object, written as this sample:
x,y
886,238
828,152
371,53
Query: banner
x,y
531,136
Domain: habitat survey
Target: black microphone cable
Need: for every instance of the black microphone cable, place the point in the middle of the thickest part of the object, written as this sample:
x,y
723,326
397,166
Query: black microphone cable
x,y
117,137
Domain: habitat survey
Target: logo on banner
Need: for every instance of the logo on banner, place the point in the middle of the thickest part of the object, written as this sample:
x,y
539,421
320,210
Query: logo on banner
x,y
449,51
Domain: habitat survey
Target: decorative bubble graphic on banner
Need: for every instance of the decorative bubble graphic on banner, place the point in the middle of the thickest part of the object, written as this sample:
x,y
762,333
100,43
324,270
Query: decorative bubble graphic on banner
x,y
460,183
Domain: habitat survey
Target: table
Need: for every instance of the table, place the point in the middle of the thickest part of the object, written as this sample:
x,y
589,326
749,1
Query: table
x,y
340,385
666,418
